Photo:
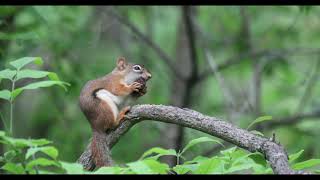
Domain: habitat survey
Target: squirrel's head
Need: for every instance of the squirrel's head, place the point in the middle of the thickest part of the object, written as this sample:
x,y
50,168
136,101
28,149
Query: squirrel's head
x,y
132,72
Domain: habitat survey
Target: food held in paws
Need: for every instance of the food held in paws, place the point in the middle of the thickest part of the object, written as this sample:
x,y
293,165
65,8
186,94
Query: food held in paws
x,y
143,89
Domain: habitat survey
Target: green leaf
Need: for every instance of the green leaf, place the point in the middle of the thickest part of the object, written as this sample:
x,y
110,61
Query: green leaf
x,y
197,160
259,120
239,167
306,164
37,85
29,73
17,142
43,84
16,93
7,74
20,63
185,168
9,155
258,158
72,168
20,142
2,133
237,160
108,170
13,168
258,169
126,171
53,76
238,157
40,142
199,140
229,151
5,94
295,156
159,151
157,167
148,166
45,172
211,166
140,167
49,150
41,162
257,133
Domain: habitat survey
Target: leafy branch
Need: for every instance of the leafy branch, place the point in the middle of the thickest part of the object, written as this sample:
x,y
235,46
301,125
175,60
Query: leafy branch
x,y
16,73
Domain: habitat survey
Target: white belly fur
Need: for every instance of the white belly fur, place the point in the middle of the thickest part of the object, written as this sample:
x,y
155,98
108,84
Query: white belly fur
x,y
112,100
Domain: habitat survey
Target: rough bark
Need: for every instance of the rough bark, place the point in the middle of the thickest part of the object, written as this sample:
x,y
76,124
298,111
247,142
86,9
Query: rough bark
x,y
274,153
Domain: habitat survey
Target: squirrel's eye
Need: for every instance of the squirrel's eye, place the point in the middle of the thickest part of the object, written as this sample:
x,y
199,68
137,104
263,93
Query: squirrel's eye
x,y
137,68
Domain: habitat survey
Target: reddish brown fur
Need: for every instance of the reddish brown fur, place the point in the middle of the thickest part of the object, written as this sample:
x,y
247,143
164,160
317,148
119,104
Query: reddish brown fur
x,y
98,112
98,150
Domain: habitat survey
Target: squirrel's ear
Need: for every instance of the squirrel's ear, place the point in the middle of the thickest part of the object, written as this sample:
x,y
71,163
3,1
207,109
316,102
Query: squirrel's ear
x,y
121,63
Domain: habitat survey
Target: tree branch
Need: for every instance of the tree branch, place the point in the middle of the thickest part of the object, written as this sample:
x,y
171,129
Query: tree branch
x,y
187,17
230,62
248,46
123,20
214,69
291,120
284,121
273,152
309,88
257,55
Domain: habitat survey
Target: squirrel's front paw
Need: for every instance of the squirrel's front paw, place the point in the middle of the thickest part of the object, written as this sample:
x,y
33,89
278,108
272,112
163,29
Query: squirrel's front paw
x,y
135,86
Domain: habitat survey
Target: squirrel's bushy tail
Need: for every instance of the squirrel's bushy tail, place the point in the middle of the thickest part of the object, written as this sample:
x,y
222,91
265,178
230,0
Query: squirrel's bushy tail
x,y
99,150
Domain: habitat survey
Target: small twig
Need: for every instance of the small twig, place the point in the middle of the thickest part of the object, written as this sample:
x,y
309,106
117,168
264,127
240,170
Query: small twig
x,y
225,90
257,55
291,120
4,122
36,166
145,39
273,139
214,67
12,105
308,91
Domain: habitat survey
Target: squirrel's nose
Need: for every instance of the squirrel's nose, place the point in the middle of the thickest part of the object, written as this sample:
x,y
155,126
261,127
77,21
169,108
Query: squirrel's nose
x,y
149,75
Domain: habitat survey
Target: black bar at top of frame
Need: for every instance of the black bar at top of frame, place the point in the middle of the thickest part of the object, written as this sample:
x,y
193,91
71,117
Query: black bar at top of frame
x,y
158,2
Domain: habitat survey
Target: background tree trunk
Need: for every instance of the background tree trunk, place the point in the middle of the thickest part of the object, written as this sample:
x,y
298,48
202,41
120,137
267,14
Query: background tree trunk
x,y
181,88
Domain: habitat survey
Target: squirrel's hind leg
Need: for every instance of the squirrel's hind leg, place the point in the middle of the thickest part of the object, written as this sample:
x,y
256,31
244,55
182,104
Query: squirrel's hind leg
x,y
122,114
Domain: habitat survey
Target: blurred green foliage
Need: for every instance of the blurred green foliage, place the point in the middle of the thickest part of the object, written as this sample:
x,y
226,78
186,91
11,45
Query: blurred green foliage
x,y
36,156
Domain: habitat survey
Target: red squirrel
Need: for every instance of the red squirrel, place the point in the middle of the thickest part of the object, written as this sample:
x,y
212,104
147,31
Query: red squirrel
x,y
104,101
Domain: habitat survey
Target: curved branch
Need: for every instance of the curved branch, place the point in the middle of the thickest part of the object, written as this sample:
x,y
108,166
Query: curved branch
x,y
257,55
292,120
274,153
165,57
